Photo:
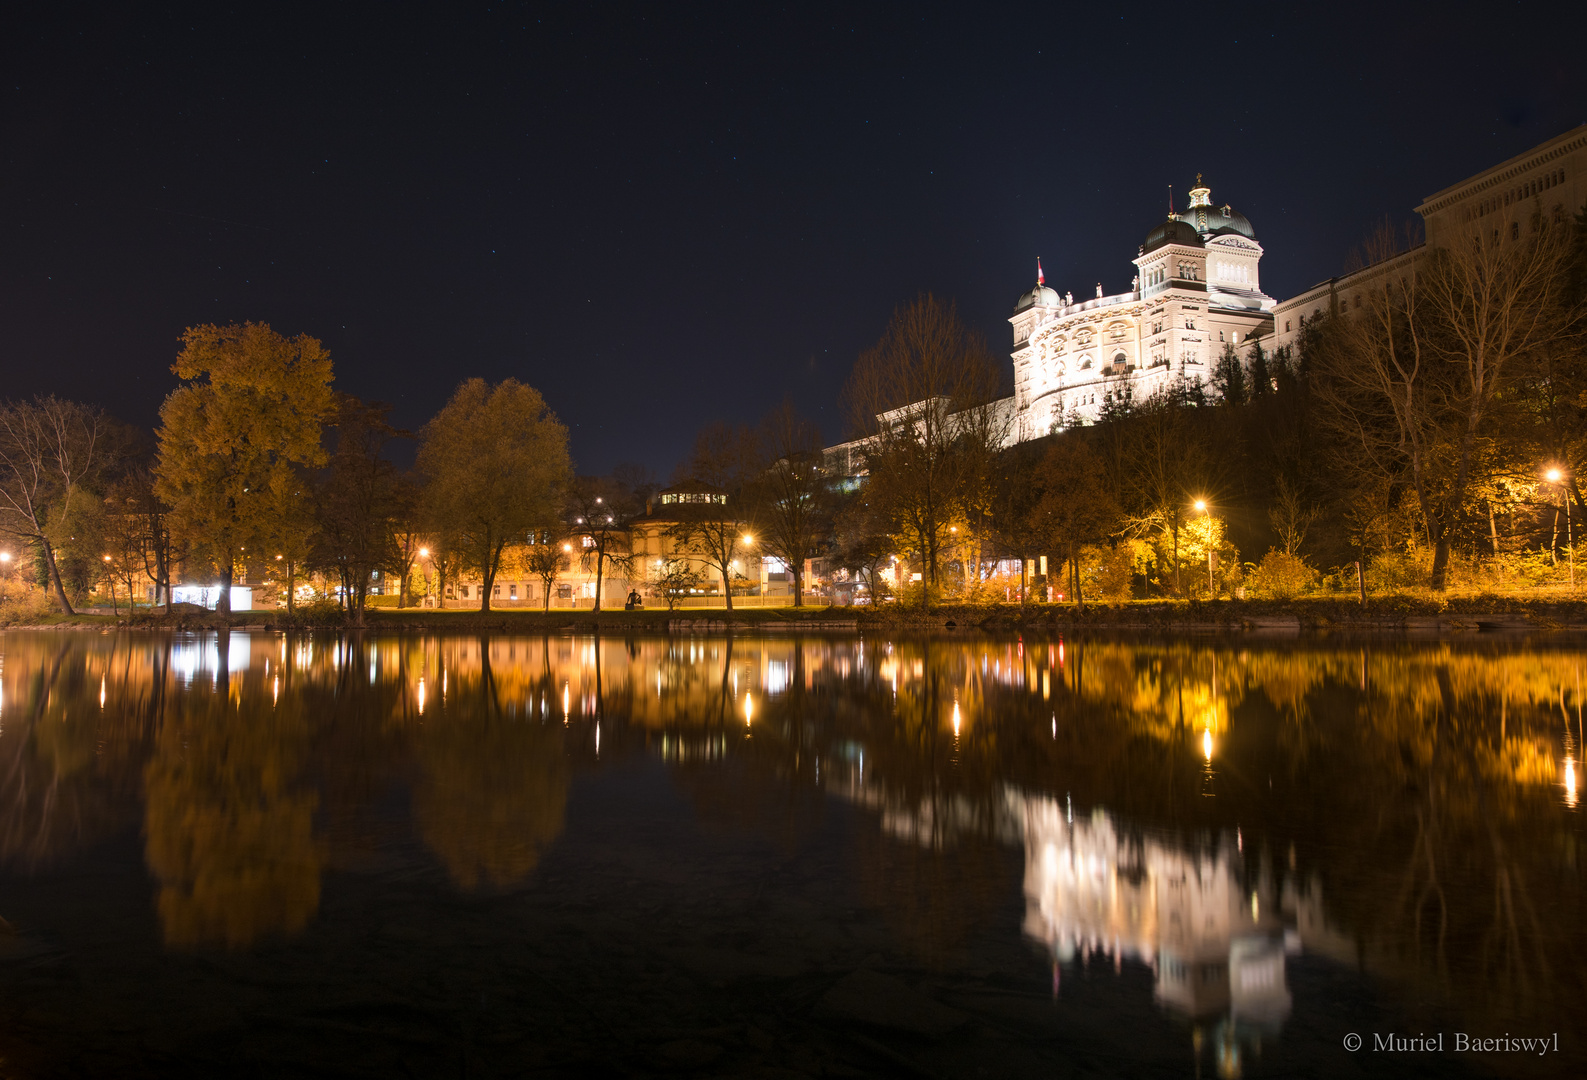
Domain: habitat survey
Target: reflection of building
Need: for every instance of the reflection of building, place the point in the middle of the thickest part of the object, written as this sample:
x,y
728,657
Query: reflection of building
x,y
1213,936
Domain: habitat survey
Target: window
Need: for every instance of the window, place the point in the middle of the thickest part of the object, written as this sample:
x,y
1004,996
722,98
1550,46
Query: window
x,y
495,591
1286,326
512,591
464,590
1515,231
589,541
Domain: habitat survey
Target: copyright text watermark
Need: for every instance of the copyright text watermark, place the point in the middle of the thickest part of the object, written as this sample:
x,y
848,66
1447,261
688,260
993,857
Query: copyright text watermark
x,y
1459,1042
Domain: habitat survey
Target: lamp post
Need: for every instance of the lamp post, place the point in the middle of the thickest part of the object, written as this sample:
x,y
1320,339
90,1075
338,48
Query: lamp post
x,y
1557,476
1201,508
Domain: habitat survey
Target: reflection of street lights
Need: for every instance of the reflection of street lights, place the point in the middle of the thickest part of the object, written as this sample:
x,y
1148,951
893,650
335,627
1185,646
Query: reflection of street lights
x,y
1556,476
1201,508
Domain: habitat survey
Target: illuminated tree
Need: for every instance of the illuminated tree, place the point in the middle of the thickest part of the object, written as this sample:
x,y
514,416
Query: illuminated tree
x,y
495,462
1415,379
791,496
251,410
356,501
724,460
923,399
600,510
51,454
1075,508
545,559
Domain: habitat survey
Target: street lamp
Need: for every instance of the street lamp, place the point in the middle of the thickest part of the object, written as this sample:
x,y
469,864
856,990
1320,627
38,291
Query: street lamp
x,y
1557,476
1201,508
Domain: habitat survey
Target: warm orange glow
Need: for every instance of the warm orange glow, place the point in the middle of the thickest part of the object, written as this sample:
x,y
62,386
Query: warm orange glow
x,y
1201,506
107,558
424,553
567,547
1553,476
1206,743
748,539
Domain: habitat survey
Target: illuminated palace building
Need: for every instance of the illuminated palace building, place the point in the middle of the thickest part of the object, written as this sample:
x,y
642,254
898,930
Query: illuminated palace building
x,y
1196,291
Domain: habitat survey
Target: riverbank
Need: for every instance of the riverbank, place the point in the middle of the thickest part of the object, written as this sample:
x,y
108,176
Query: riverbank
x,y
1404,613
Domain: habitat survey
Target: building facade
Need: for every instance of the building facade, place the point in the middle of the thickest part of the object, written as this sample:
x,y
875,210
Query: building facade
x,y
1197,291
1500,205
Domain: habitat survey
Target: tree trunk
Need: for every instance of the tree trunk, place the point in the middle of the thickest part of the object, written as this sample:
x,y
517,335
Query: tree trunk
x,y
1493,529
292,586
223,601
600,569
799,587
55,577
1440,576
727,584
1178,589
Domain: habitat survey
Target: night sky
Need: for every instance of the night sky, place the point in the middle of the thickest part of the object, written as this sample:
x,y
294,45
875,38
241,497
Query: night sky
x,y
671,214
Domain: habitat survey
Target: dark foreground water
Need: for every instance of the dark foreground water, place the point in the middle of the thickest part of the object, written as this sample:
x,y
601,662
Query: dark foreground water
x,y
269,855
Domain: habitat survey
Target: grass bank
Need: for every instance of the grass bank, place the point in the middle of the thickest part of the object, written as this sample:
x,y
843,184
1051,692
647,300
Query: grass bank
x,y
1420,612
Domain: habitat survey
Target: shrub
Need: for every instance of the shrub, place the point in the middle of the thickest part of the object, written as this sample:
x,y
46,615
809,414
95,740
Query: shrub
x,y
1394,570
25,603
1280,576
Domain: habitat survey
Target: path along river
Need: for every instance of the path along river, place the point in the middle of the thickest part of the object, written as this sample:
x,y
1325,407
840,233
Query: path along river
x,y
273,855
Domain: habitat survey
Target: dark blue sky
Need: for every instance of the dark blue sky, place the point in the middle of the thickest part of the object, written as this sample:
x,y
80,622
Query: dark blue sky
x,y
670,214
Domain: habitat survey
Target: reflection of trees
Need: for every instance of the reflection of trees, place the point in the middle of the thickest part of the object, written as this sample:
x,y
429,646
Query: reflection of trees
x,y
493,788
229,826
1416,787
75,711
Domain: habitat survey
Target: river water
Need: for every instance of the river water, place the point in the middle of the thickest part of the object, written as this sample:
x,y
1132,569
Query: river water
x,y
283,855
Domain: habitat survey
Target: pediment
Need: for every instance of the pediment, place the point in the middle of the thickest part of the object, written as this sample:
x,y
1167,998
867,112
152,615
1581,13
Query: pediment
x,y
1236,242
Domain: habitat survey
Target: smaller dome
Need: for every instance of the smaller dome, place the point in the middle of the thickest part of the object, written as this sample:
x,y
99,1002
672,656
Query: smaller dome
x,y
1172,231
1040,296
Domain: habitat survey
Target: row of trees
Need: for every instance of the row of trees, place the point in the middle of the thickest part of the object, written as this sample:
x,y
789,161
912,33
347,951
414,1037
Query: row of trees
x,y
1438,418
259,466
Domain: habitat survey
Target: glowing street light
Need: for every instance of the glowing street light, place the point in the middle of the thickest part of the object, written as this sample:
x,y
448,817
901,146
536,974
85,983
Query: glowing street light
x,y
424,553
1557,476
748,539
1201,508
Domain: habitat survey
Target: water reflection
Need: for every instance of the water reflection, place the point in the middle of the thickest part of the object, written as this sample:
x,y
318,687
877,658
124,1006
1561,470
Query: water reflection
x,y
1206,811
